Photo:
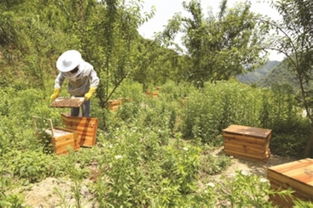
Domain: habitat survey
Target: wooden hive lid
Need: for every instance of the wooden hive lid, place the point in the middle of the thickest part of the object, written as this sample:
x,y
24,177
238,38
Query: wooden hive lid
x,y
248,131
57,132
300,171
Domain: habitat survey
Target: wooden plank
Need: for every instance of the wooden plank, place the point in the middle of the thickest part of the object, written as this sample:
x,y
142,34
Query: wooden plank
x,y
244,148
243,138
283,202
292,165
253,156
301,170
86,128
275,184
239,144
290,182
83,129
64,149
248,131
297,194
63,141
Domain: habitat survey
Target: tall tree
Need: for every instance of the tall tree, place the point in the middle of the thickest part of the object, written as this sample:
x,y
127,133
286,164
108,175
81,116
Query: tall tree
x,y
296,42
220,46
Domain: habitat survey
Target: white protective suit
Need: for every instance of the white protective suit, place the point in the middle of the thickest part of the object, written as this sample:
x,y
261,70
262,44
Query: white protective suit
x,y
81,81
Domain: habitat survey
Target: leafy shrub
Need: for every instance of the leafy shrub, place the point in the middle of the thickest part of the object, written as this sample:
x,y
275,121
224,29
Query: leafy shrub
x,y
214,164
138,171
12,201
219,105
245,190
16,124
31,165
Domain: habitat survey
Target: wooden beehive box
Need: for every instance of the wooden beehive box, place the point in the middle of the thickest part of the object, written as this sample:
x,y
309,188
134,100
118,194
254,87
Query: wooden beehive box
x,y
63,140
152,93
248,142
85,127
113,105
297,175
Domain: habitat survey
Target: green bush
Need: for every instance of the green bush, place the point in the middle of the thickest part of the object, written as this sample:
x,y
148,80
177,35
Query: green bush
x,y
245,190
214,164
138,171
30,165
216,106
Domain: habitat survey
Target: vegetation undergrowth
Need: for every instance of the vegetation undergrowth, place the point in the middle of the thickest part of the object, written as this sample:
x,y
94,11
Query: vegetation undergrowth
x,y
151,152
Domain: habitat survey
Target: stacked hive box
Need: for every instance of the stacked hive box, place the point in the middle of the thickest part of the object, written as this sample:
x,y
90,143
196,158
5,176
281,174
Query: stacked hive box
x,y
86,128
63,140
249,142
297,175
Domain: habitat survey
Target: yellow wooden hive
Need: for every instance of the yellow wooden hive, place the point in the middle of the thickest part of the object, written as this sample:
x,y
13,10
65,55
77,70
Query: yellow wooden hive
x,y
85,127
63,140
248,142
297,175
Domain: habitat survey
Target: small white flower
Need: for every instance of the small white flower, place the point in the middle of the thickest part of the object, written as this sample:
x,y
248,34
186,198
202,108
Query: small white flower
x,y
185,148
117,157
110,146
210,184
263,180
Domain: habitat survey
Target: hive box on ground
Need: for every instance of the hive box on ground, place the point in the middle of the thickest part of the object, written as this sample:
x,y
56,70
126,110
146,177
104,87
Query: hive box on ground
x,y
63,140
152,93
248,142
85,127
297,175
113,105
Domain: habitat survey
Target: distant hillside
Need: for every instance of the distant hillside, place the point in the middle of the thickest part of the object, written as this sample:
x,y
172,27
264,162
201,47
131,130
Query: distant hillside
x,y
280,74
258,74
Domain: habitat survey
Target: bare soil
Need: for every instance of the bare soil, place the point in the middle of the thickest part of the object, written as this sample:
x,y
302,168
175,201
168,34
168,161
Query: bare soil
x,y
58,193
251,166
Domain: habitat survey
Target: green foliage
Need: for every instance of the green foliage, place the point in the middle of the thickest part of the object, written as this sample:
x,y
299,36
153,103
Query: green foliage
x,y
212,165
141,158
245,190
8,200
296,44
138,171
16,124
220,46
30,165
303,204
218,105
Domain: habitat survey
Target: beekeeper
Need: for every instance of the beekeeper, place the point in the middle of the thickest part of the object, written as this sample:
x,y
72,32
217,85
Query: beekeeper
x,y
82,79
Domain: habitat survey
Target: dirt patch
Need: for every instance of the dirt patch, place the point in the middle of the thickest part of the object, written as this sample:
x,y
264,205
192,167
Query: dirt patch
x,y
251,166
58,192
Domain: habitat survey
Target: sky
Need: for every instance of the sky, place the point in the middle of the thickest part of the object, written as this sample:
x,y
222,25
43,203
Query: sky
x,y
165,9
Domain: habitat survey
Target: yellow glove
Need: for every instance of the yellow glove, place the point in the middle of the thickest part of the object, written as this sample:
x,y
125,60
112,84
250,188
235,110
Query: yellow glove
x,y
55,94
89,94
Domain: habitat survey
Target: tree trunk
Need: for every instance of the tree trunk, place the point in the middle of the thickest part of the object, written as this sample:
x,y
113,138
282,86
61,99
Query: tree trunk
x,y
308,152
